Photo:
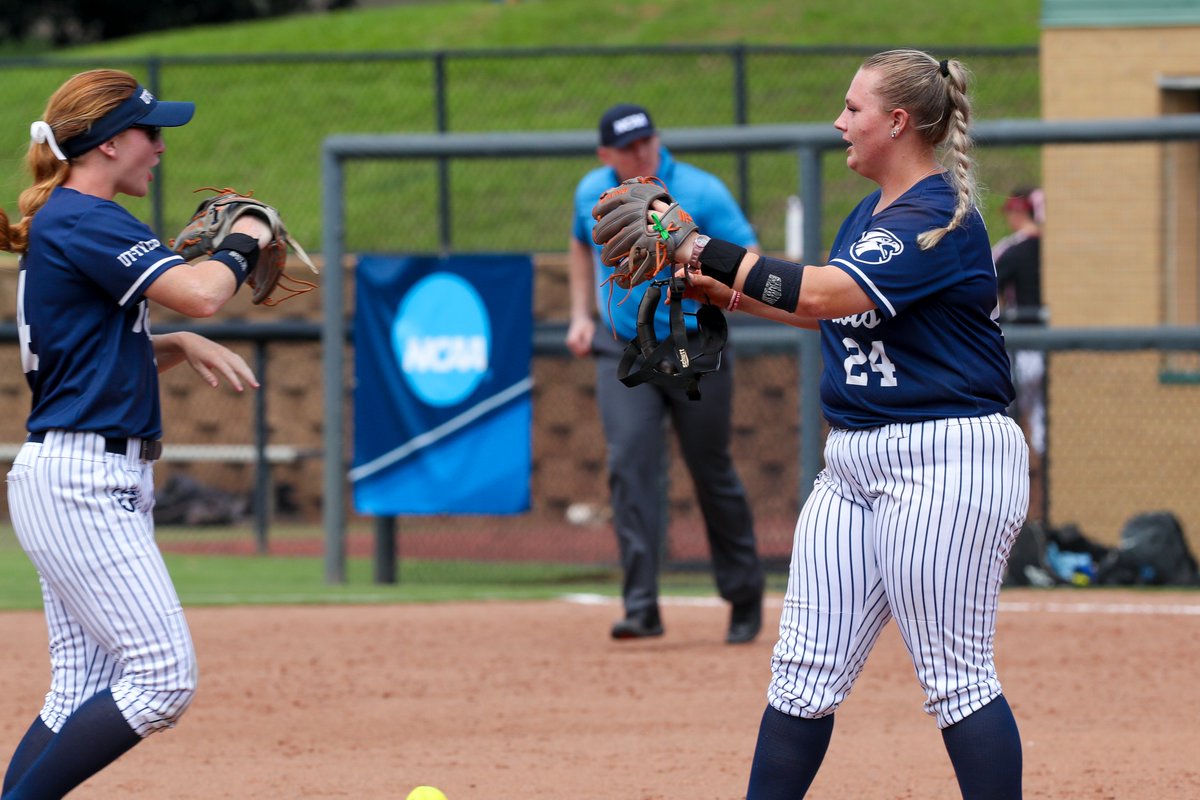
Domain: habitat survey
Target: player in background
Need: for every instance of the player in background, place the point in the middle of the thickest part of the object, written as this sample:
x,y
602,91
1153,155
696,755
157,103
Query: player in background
x,y
1018,258
633,417
926,479
81,488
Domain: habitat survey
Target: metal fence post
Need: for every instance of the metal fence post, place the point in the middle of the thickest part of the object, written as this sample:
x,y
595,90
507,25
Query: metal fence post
x,y
385,549
443,164
741,117
262,468
811,420
333,342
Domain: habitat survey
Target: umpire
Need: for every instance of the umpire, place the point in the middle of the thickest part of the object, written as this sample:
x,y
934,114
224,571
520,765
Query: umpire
x,y
633,418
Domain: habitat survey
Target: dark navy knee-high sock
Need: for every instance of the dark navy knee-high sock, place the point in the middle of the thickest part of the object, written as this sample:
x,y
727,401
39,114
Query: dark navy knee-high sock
x,y
985,749
32,744
788,755
91,739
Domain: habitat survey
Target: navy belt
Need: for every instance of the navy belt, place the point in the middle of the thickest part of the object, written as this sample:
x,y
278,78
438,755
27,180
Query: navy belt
x,y
150,450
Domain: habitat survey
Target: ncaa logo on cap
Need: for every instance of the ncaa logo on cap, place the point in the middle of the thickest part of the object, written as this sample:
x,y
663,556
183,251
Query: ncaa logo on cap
x,y
633,122
441,338
624,124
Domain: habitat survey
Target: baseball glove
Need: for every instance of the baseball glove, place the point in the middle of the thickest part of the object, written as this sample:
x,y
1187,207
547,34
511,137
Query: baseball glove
x,y
213,221
634,246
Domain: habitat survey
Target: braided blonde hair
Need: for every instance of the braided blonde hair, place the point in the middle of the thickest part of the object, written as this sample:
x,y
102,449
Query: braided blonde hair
x,y
71,111
935,96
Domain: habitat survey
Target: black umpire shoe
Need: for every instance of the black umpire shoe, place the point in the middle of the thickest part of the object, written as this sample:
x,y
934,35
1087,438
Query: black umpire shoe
x,y
745,621
638,625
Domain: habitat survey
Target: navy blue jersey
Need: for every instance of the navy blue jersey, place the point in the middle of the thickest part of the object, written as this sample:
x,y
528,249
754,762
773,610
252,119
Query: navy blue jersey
x,y
932,347
84,328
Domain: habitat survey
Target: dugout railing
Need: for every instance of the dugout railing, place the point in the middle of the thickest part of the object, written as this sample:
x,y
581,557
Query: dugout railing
x,y
808,143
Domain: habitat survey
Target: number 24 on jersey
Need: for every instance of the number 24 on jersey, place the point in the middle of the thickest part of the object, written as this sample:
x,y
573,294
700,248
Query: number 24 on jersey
x,y
859,364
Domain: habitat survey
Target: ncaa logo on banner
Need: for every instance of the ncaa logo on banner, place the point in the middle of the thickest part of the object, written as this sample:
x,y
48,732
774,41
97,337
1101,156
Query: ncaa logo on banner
x,y
442,339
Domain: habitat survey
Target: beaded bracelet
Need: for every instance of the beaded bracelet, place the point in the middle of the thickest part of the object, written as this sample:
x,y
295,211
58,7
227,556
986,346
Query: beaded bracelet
x,y
734,300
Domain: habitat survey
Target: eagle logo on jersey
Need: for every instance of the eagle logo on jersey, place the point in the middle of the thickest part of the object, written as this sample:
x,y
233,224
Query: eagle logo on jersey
x,y
876,246
126,498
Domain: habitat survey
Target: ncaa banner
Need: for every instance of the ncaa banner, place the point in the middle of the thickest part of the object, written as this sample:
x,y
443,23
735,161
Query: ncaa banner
x,y
442,405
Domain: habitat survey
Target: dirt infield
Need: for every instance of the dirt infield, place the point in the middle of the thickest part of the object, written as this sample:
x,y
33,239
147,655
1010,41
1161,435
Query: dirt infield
x,y
531,700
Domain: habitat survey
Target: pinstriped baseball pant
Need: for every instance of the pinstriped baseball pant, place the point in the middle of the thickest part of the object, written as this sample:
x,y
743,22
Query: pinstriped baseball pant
x,y
912,522
83,516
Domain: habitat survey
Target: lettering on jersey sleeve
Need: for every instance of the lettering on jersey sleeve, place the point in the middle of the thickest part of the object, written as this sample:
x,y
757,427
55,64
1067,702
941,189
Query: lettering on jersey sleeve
x,y
130,256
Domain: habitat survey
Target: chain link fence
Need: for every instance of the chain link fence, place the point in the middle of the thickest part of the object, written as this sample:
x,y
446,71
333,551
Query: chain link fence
x,y
259,126
261,119
768,414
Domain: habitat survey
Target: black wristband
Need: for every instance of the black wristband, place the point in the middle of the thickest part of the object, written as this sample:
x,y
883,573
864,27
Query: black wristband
x,y
720,259
239,252
774,282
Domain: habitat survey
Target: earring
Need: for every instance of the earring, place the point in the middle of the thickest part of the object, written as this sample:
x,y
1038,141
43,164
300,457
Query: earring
x,y
893,133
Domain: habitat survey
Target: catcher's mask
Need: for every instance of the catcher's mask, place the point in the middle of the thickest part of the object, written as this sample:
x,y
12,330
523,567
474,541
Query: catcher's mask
x,y
669,363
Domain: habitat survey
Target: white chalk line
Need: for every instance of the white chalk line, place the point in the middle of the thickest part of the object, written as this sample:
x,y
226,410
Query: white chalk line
x,y
1151,608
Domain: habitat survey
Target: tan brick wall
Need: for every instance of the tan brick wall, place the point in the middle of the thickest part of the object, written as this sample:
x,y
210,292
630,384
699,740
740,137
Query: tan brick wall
x,y
1122,440
568,445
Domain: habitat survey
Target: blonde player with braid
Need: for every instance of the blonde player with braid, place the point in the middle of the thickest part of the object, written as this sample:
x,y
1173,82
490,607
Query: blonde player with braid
x,y
926,479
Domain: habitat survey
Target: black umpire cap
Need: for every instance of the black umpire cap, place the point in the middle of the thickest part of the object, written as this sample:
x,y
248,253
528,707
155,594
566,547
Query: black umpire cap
x,y
624,124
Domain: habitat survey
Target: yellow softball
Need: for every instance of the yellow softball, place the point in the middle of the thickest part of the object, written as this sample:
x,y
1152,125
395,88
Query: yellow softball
x,y
425,793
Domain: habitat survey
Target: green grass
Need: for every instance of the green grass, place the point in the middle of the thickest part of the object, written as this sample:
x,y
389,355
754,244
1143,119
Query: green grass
x,y
205,580
225,580
258,580
456,24
252,579
260,126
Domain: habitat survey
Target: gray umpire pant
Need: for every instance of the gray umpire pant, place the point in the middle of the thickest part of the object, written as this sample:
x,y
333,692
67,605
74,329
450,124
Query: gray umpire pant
x,y
633,420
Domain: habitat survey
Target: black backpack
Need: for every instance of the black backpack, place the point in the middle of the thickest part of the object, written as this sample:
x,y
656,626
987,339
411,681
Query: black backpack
x,y
1153,551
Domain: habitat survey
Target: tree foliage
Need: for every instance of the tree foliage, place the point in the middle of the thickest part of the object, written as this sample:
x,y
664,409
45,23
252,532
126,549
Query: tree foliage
x,y
67,22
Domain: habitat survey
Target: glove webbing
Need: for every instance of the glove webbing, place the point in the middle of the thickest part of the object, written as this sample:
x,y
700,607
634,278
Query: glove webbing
x,y
669,363
660,261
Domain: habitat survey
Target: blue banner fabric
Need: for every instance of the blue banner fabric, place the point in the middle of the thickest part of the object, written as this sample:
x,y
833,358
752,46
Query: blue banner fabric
x,y
442,404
